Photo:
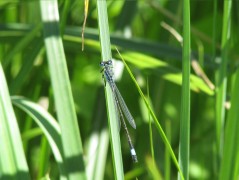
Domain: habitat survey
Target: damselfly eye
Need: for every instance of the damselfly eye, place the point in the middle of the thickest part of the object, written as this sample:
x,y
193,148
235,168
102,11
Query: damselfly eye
x,y
102,63
109,62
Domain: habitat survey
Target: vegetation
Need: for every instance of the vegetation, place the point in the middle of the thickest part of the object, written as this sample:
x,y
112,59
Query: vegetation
x,y
181,88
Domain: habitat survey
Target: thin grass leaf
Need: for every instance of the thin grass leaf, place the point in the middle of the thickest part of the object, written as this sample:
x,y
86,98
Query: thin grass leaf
x,y
156,122
112,113
12,157
26,67
44,156
222,78
150,129
71,140
231,150
64,15
184,139
21,45
167,171
84,23
217,122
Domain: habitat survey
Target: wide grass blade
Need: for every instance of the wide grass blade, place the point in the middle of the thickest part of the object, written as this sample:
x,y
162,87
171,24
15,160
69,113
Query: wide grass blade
x,y
112,113
13,163
71,140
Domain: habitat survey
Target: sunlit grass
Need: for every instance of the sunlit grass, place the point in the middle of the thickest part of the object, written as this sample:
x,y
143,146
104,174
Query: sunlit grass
x,y
41,58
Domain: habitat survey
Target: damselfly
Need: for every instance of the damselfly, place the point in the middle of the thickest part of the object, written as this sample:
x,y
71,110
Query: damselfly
x,y
120,105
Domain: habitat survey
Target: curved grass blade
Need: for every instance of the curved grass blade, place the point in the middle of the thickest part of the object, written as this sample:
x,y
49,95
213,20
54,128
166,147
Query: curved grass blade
x,y
156,122
12,159
46,122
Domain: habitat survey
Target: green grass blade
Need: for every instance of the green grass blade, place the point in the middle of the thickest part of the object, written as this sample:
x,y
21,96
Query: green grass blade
x,y
150,129
217,122
184,139
156,122
167,171
65,12
12,158
71,140
231,149
222,78
112,113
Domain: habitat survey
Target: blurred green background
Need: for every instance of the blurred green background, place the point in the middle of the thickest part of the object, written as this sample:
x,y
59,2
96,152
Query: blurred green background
x,y
137,28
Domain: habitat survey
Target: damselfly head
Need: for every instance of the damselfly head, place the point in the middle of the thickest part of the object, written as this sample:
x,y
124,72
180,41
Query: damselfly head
x,y
106,63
